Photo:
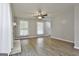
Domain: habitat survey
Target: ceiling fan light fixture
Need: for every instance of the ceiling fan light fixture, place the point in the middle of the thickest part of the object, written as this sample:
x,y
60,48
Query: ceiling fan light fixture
x,y
40,14
39,17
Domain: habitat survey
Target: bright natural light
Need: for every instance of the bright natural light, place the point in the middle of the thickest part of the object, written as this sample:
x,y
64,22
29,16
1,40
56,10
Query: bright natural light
x,y
23,28
40,28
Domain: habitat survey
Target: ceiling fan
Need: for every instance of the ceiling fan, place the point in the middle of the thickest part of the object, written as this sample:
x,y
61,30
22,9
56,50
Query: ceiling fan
x,y
40,14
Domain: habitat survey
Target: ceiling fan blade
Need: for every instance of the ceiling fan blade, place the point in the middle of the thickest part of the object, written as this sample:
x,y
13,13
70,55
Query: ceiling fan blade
x,y
45,15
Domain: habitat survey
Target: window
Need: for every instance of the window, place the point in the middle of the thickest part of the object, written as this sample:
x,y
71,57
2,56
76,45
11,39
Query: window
x,y
23,28
48,27
40,28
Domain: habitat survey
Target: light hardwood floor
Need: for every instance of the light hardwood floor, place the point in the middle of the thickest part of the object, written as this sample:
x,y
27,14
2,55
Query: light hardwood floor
x,y
46,46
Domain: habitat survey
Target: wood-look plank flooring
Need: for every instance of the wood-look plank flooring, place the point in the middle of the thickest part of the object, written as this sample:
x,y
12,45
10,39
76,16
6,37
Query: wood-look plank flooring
x,y
45,46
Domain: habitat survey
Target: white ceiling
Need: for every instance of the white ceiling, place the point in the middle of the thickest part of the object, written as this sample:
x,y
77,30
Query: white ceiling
x,y
27,9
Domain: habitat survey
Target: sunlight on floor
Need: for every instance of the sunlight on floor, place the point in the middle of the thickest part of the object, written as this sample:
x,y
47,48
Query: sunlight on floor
x,y
40,42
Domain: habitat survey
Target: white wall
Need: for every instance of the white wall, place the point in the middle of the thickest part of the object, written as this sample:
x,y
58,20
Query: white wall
x,y
63,26
76,20
46,25
5,28
0,25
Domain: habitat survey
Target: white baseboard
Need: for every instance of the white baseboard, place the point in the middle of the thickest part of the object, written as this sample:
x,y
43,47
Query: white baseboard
x,y
24,37
62,39
30,36
76,47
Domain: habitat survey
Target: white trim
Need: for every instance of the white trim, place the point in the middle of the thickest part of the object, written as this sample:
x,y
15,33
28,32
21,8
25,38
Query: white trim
x,y
9,53
62,39
76,47
31,36
26,37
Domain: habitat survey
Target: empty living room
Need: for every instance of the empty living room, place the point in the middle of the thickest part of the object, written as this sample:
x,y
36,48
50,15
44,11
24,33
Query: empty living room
x,y
39,29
